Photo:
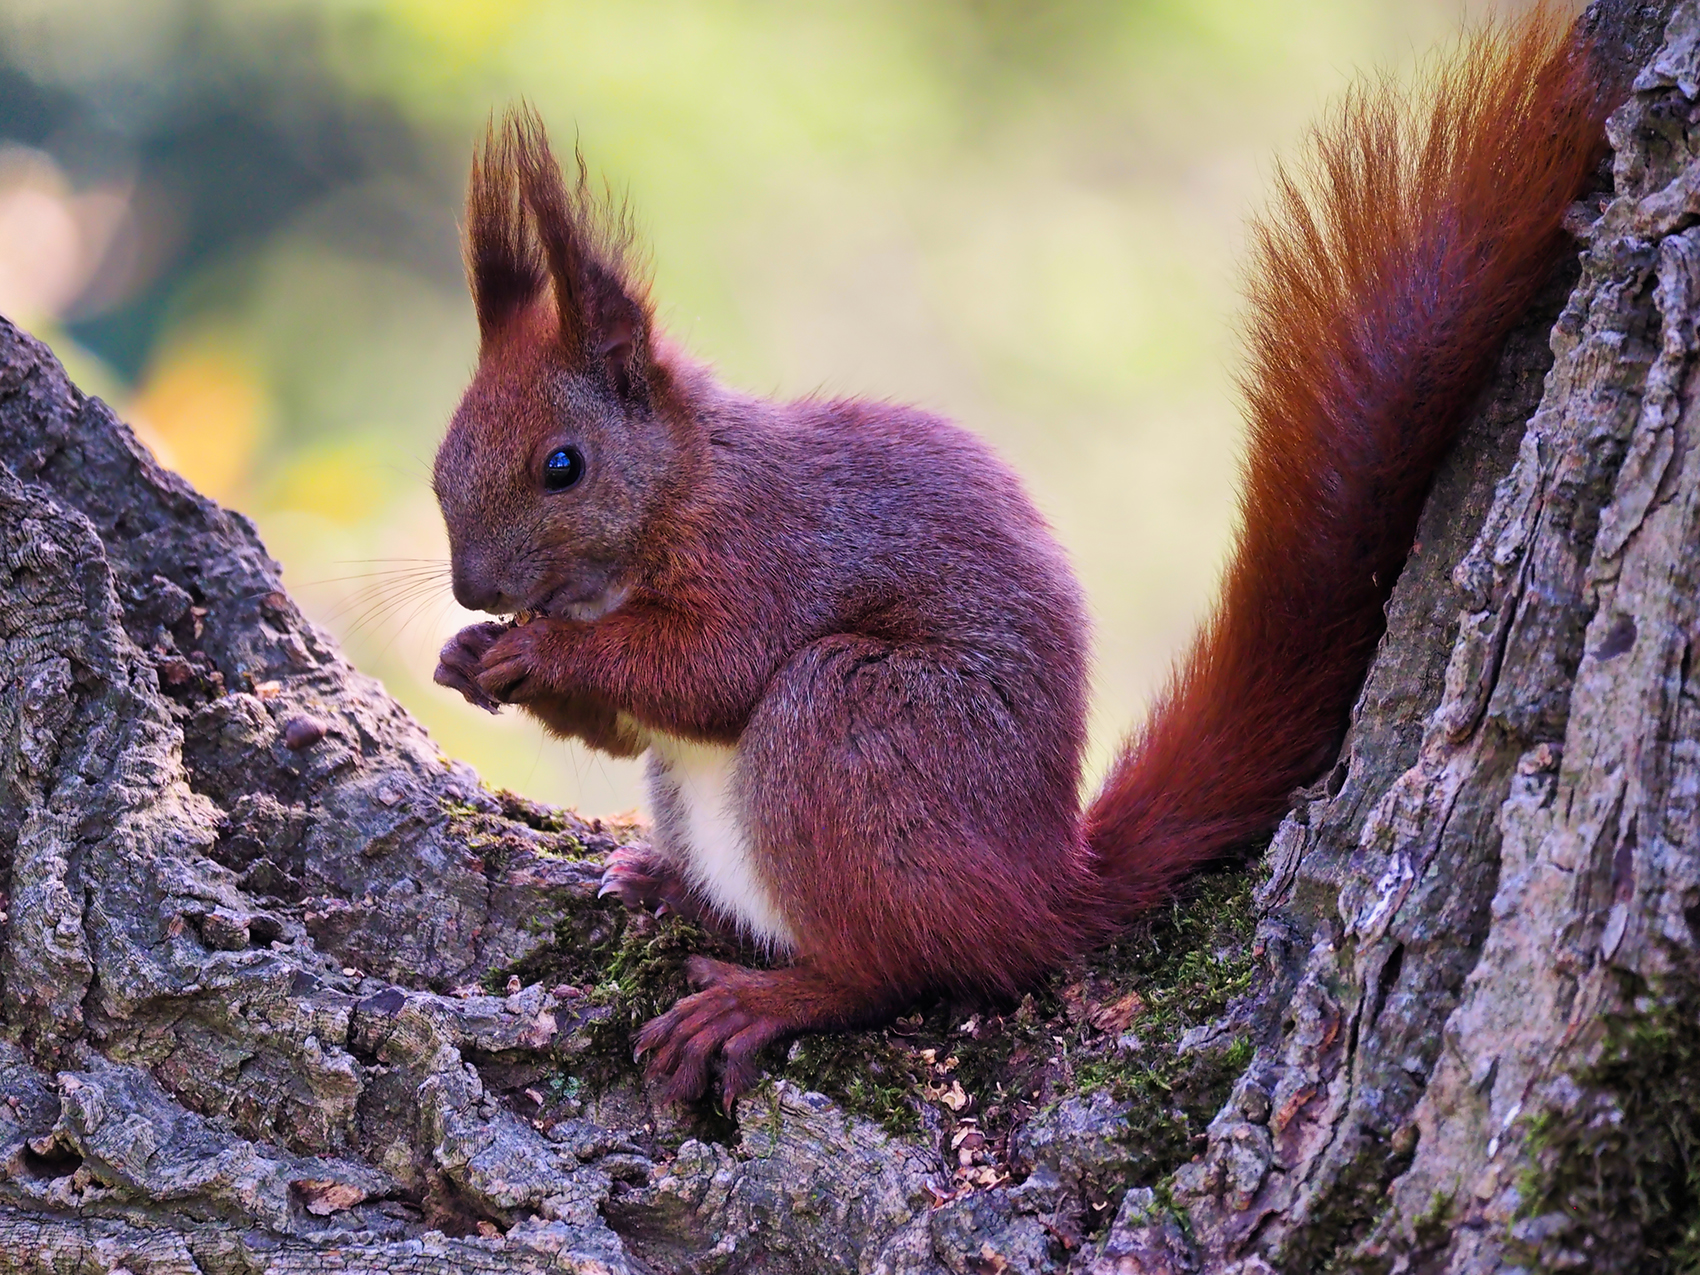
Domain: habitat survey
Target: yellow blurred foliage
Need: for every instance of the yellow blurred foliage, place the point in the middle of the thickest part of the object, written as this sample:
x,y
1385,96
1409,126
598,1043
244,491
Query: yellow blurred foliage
x,y
203,409
463,33
342,481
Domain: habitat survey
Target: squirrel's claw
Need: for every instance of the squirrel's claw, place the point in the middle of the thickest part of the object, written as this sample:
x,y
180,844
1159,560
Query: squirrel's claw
x,y
509,663
456,681
639,878
459,661
711,1037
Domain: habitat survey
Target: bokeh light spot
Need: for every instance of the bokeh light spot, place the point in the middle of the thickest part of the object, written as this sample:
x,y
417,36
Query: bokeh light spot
x,y
204,410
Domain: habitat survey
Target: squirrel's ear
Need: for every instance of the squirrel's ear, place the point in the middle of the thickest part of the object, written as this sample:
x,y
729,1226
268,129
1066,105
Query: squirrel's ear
x,y
602,306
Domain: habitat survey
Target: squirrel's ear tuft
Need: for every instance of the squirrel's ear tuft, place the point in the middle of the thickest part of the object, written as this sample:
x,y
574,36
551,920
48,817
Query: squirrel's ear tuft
x,y
528,231
503,261
600,300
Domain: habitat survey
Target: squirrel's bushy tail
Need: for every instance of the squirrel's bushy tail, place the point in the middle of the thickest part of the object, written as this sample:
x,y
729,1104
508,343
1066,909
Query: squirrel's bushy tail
x,y
1384,280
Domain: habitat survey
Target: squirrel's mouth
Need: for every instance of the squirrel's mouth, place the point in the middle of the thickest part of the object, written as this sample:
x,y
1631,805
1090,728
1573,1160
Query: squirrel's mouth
x,y
578,602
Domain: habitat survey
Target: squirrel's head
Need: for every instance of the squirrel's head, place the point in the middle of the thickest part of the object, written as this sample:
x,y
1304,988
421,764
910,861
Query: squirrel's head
x,y
564,449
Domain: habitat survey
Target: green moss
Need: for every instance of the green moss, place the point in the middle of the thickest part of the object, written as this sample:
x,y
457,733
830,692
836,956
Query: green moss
x,y
990,1068
1432,1229
629,964
645,973
494,839
1623,1165
867,1073
1187,964
551,819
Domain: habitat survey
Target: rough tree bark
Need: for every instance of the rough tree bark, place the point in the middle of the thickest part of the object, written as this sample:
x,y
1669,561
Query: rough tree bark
x,y
283,988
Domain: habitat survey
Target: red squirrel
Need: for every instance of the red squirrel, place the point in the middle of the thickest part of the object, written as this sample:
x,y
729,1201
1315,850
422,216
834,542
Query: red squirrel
x,y
850,645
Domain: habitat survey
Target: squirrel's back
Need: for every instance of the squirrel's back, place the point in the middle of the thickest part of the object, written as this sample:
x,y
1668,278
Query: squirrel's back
x,y
896,523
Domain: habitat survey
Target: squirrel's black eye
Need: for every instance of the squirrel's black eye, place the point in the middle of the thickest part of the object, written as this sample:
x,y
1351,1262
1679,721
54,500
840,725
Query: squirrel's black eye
x,y
563,469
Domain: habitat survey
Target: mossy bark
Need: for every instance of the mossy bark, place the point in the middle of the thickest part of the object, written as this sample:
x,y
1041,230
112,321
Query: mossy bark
x,y
1487,912
283,988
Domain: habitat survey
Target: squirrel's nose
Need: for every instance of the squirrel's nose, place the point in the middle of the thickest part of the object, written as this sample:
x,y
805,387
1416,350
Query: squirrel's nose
x,y
475,594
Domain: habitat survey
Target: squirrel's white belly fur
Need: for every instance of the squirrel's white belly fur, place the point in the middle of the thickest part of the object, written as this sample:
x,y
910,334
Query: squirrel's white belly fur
x,y
699,824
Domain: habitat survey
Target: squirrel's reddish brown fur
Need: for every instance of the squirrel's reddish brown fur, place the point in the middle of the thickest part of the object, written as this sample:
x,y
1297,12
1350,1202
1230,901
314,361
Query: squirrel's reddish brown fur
x,y
848,641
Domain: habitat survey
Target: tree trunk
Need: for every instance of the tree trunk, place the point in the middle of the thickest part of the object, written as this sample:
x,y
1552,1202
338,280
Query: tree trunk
x,y
283,988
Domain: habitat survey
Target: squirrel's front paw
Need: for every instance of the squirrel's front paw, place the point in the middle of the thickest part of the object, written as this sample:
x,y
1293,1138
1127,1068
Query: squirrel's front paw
x,y
514,668
461,660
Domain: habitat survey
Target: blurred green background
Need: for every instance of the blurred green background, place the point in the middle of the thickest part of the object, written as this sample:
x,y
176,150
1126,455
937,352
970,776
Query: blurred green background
x,y
236,220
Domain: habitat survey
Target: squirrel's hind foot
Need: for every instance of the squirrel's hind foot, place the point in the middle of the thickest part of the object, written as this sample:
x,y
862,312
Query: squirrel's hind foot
x,y
712,1030
734,1015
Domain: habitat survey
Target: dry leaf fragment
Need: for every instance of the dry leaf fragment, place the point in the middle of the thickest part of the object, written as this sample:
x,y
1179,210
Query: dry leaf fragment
x,y
175,672
940,1198
1115,1017
324,1196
